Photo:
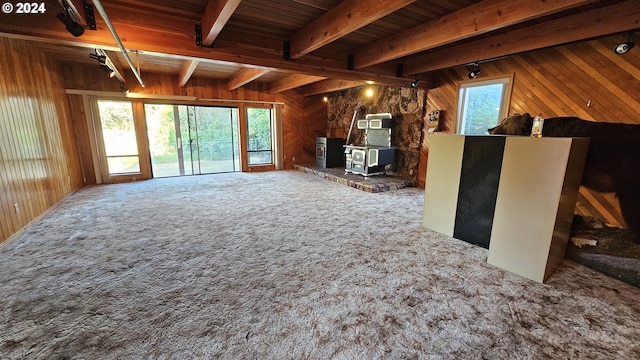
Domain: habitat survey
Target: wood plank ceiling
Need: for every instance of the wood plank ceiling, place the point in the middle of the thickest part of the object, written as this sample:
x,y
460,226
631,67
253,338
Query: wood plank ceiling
x,y
316,46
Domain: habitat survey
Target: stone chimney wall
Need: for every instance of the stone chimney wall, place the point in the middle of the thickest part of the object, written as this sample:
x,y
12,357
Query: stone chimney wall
x,y
406,105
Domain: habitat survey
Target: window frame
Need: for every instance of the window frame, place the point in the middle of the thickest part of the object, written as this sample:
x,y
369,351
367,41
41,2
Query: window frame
x,y
104,143
504,103
101,167
272,135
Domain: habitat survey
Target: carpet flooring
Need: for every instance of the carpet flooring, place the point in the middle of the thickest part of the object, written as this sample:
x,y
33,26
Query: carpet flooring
x,y
285,265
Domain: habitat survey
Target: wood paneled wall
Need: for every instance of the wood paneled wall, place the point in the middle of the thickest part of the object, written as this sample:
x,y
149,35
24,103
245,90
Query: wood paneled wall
x,y
559,81
39,163
315,113
294,121
294,124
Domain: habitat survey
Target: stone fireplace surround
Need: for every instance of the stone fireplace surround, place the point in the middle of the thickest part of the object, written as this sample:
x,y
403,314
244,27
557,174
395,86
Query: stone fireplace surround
x,y
406,105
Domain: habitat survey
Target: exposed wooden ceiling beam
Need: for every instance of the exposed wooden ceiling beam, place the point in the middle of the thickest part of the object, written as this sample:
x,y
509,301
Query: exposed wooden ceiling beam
x,y
181,46
215,16
309,65
112,58
187,69
293,81
611,19
245,76
178,42
345,18
470,21
327,86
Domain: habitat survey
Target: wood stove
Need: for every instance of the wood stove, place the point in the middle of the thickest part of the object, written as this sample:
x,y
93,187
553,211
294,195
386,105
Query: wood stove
x,y
329,152
376,156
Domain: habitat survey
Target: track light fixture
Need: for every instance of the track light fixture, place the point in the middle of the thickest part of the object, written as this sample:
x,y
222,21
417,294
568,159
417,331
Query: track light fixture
x,y
474,72
107,70
415,83
624,47
72,27
102,60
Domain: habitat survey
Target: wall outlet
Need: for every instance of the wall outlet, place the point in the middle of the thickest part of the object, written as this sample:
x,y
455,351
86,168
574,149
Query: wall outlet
x,y
17,208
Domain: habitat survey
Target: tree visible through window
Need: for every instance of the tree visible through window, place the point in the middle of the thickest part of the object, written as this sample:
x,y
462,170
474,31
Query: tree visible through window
x,y
481,105
188,140
119,135
259,147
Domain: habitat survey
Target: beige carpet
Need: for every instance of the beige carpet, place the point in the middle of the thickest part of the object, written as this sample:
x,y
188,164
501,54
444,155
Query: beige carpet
x,y
285,265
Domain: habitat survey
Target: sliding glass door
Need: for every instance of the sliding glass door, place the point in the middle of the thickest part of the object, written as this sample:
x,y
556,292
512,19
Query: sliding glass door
x,y
189,140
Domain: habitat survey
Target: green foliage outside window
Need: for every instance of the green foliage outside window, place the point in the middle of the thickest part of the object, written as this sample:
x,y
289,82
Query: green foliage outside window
x,y
116,115
481,108
259,129
259,135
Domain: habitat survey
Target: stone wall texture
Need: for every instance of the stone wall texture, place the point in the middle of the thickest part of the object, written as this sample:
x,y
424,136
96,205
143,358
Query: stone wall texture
x,y
406,105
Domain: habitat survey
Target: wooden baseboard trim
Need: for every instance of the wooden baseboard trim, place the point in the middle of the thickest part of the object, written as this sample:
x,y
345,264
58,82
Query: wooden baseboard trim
x,y
12,238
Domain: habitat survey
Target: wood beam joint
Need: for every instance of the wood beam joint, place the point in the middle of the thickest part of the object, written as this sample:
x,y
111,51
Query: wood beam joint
x,y
215,17
198,35
293,81
245,76
286,50
187,69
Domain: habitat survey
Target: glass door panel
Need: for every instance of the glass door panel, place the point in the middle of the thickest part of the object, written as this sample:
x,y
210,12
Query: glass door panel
x,y
164,145
216,139
187,125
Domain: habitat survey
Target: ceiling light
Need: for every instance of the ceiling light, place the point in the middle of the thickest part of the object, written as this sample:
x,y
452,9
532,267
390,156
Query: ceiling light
x,y
102,61
624,47
474,72
368,92
73,27
415,83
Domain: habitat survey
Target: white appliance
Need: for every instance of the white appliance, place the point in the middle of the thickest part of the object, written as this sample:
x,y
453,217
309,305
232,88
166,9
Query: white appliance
x,y
377,155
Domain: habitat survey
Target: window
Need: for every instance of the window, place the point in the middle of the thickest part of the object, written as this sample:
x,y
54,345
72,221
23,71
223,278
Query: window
x,y
119,135
259,144
481,104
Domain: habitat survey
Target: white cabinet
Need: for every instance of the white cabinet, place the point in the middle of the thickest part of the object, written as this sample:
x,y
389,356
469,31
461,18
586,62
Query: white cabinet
x,y
521,207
